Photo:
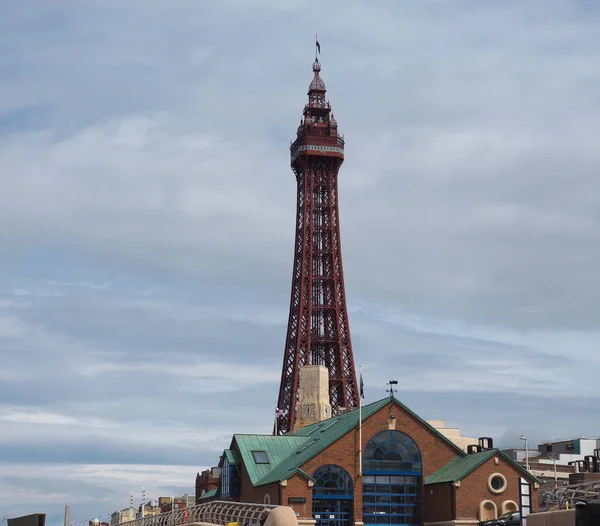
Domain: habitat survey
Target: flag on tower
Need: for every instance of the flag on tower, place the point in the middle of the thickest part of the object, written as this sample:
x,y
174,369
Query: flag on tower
x,y
362,387
318,46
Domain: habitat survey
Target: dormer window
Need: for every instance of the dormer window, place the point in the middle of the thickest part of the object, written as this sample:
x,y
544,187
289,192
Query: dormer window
x,y
260,457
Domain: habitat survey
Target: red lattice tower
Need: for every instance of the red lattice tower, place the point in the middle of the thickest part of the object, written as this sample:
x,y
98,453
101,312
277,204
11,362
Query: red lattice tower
x,y
318,331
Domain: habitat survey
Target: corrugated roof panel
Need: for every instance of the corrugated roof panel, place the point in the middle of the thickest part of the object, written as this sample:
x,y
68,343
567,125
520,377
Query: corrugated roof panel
x,y
332,429
288,453
208,494
232,456
277,448
459,468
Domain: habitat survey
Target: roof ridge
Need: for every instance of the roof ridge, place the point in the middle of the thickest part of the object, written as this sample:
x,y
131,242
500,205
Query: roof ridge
x,y
317,443
452,471
518,466
298,458
265,435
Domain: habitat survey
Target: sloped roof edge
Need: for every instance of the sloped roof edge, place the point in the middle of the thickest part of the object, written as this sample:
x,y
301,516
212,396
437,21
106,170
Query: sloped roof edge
x,y
458,468
287,468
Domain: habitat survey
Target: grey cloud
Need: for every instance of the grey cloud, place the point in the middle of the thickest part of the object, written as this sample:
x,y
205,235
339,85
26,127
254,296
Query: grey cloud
x,y
94,451
146,184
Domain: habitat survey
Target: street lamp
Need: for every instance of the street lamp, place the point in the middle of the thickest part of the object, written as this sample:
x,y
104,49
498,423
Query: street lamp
x,y
553,458
523,437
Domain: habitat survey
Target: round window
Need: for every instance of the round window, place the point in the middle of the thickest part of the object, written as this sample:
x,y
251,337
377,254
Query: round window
x,y
497,483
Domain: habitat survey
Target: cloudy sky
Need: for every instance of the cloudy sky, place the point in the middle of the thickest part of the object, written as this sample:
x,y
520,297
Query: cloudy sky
x,y
147,210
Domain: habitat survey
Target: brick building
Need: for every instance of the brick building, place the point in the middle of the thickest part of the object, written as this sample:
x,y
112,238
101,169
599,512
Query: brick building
x,y
207,482
388,467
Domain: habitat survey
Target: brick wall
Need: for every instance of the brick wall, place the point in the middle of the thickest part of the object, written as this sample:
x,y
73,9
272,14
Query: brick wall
x,y
474,488
249,493
435,453
578,478
205,482
297,487
438,503
446,502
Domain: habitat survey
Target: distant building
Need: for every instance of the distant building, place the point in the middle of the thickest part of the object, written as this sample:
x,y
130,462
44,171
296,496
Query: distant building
x,y
570,449
380,464
124,515
166,504
561,462
520,454
453,433
35,519
150,508
207,481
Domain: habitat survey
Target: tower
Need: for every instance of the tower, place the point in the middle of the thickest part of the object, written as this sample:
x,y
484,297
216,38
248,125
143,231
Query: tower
x,y
318,332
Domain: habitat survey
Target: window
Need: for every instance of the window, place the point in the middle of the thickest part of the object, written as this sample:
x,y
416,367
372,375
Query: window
x,y
391,480
226,479
230,480
332,480
333,496
497,483
392,451
260,457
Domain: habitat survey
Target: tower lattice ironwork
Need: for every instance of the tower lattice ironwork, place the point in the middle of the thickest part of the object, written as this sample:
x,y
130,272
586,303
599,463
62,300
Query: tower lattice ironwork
x,y
318,331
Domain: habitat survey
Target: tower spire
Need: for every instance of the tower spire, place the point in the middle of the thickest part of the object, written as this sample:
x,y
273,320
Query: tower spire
x,y
318,331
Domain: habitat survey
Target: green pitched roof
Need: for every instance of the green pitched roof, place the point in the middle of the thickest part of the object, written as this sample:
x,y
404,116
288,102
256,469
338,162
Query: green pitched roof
x,y
323,434
316,438
208,494
458,468
233,456
287,453
278,448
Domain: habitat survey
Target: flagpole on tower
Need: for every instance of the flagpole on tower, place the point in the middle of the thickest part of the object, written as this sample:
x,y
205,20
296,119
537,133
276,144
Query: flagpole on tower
x,y
317,48
361,395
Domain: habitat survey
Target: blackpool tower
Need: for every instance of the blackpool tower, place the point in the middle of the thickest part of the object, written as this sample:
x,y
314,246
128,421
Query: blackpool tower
x,y
318,332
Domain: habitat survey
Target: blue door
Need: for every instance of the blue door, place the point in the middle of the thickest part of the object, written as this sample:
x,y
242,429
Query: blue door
x,y
333,496
392,475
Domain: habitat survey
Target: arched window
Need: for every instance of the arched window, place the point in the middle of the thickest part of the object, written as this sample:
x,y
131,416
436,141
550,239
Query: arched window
x,y
392,474
332,480
392,451
333,496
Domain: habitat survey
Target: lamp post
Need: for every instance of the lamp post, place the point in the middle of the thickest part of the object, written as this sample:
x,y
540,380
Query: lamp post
x,y
553,458
523,437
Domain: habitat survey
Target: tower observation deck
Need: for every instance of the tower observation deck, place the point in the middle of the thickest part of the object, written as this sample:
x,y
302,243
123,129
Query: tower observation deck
x,y
318,332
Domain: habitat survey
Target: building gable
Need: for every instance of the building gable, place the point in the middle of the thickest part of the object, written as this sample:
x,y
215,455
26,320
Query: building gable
x,y
459,468
317,437
261,454
323,434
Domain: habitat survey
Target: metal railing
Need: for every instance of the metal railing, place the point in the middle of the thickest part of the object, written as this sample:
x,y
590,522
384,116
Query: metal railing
x,y
218,512
567,496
